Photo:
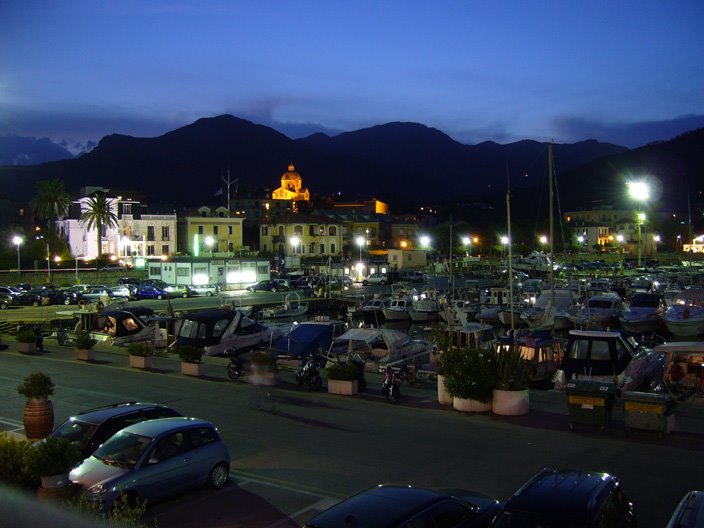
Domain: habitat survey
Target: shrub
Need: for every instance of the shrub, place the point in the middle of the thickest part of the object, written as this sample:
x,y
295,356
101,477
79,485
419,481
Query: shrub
x,y
12,466
263,359
190,353
84,341
469,373
511,371
36,385
123,513
143,349
343,371
26,335
51,456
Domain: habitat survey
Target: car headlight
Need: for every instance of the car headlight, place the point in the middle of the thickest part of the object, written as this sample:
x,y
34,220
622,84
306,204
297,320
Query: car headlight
x,y
97,491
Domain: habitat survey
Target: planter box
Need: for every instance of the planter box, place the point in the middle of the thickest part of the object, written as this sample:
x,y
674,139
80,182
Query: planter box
x,y
38,418
444,397
464,405
141,362
26,348
344,387
84,354
192,369
510,403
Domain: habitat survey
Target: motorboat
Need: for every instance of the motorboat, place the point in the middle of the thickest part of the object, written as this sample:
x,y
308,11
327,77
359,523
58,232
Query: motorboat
x,y
598,311
458,312
597,355
425,309
496,300
644,314
685,315
218,330
473,335
372,311
383,346
308,338
290,308
398,309
541,355
546,313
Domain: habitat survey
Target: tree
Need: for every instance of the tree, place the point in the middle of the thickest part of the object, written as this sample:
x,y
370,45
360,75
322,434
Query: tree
x,y
97,213
51,202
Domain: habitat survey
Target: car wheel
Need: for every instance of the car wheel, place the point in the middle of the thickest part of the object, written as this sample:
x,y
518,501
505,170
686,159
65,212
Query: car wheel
x,y
218,476
209,294
35,303
67,301
273,290
382,282
184,295
3,305
159,297
365,283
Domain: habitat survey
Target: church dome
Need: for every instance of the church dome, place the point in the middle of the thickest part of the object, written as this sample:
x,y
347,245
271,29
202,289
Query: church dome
x,y
291,174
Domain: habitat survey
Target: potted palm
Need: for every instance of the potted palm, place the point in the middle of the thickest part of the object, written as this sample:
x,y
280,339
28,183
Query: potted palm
x,y
26,341
83,345
511,395
38,411
470,377
191,356
141,354
49,462
343,378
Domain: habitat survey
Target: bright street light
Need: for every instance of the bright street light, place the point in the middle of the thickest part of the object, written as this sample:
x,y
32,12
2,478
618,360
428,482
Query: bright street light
x,y
294,242
467,242
640,192
17,240
425,241
209,241
360,242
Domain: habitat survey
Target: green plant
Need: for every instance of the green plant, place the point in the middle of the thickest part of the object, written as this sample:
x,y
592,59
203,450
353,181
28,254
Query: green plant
x,y
36,385
263,359
26,335
125,512
12,466
84,341
51,456
190,353
142,349
343,371
469,373
511,373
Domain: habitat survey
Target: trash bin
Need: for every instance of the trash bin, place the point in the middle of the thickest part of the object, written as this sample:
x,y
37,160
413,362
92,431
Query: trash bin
x,y
590,402
649,412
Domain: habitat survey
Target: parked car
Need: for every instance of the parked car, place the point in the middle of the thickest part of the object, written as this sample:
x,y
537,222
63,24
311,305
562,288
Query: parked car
x,y
204,289
146,291
404,507
6,300
97,293
43,296
154,282
88,429
265,285
375,278
9,290
568,498
689,512
152,460
124,291
129,280
285,283
178,290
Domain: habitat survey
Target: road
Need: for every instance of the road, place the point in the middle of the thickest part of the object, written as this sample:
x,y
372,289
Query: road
x,y
312,449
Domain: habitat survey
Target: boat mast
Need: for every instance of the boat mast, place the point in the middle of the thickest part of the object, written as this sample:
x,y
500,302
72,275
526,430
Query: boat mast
x,y
552,247
510,262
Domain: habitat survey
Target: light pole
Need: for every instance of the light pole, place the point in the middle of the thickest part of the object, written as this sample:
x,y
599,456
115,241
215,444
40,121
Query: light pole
x,y
294,242
641,221
209,241
17,240
504,243
467,242
619,239
543,240
640,192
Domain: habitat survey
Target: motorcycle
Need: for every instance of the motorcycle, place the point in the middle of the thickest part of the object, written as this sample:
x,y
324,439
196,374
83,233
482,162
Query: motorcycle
x,y
236,366
391,387
309,374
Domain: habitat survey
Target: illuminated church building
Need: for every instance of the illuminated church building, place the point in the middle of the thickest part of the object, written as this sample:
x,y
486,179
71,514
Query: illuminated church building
x,y
291,188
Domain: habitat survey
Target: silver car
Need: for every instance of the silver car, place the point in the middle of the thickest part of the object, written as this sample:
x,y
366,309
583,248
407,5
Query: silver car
x,y
204,289
152,460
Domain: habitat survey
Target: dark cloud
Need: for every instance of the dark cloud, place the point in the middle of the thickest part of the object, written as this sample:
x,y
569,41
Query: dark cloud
x,y
571,129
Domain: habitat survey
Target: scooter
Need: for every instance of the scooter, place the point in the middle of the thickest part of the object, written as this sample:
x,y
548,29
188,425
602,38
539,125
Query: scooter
x,y
391,387
309,373
236,366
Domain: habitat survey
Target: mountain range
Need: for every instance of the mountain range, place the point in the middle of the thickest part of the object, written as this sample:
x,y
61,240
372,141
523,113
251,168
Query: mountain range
x,y
401,163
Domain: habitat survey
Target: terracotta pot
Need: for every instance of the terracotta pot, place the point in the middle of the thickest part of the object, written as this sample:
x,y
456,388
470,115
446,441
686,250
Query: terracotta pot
x,y
38,419
344,387
192,369
444,397
142,362
510,403
465,405
84,354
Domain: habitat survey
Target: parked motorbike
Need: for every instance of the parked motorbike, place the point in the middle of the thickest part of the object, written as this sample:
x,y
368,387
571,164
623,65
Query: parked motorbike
x,y
309,374
236,366
391,387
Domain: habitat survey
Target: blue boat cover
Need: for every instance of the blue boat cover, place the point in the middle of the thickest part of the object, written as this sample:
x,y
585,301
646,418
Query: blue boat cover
x,y
304,340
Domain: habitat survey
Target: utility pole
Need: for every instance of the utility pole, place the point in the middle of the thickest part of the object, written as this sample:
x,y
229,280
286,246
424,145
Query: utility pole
x,y
229,182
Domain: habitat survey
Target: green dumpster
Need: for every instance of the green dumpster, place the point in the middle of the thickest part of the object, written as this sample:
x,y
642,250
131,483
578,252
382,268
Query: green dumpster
x,y
649,412
590,402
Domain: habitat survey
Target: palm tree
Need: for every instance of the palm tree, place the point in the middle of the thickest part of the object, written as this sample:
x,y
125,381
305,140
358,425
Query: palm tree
x,y
97,213
51,202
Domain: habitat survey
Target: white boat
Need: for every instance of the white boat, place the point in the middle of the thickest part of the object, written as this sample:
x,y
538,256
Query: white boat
x,y
372,311
458,312
497,299
473,335
384,346
549,314
685,316
288,309
426,308
644,314
599,311
397,310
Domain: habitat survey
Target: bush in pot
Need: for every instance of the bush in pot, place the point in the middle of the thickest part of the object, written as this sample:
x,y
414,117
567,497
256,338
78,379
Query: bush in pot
x,y
141,354
263,361
84,341
470,373
343,378
13,469
52,457
191,357
511,396
39,411
26,340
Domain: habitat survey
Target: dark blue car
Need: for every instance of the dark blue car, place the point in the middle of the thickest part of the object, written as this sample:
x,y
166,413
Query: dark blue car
x,y
147,291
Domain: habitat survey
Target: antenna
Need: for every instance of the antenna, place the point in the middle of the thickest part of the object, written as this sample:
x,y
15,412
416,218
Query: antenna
x,y
229,182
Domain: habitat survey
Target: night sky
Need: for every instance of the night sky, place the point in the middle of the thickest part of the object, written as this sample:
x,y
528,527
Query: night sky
x,y
626,72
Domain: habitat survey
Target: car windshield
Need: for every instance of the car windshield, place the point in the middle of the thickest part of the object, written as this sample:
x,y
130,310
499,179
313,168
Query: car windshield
x,y
75,431
123,449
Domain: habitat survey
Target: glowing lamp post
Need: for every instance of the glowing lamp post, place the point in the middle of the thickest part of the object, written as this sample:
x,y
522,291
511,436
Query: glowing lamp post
x,y
580,239
467,243
641,221
425,241
504,243
209,241
619,239
294,243
640,192
17,240
360,242
543,240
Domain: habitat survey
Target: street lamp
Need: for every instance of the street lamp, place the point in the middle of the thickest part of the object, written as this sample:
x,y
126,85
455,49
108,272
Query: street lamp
x,y
504,243
294,242
425,241
467,242
360,242
543,240
209,241
580,239
619,239
641,221
640,192
17,240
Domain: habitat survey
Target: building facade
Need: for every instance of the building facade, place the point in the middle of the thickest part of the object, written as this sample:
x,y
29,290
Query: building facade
x,y
301,235
210,231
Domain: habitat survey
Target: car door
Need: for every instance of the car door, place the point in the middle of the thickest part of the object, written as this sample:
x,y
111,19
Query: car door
x,y
163,472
